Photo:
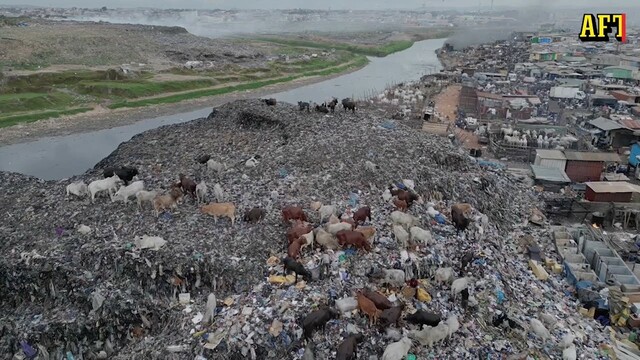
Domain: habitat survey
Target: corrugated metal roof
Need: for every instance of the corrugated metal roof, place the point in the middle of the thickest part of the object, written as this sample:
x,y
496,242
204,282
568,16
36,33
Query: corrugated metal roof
x,y
606,124
549,174
631,124
591,156
616,177
550,154
488,95
612,187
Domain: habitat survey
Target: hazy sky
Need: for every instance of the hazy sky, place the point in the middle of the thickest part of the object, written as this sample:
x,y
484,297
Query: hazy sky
x,y
282,4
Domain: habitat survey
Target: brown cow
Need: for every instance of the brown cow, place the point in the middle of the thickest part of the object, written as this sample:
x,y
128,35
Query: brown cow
x,y
460,216
220,210
368,307
354,238
380,300
294,248
298,230
368,231
361,215
188,185
293,213
400,204
407,196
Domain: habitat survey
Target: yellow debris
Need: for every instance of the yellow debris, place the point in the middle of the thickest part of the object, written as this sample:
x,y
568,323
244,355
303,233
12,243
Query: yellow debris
x,y
423,295
538,270
272,261
279,279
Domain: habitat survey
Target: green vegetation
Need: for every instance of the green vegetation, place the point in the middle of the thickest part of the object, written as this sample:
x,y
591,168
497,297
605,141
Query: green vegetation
x,y
42,95
27,118
379,51
136,89
11,103
360,61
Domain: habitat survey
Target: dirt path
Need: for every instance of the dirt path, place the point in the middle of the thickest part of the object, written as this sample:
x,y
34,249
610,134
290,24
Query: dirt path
x,y
446,103
101,118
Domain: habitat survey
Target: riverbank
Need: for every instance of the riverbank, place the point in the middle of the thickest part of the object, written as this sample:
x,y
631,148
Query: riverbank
x,y
103,118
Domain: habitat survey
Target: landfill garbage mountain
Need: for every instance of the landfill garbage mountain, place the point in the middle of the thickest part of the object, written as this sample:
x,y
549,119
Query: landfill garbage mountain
x,y
112,281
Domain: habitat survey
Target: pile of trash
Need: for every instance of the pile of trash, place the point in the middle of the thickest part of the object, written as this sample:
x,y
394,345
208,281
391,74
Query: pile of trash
x,y
108,280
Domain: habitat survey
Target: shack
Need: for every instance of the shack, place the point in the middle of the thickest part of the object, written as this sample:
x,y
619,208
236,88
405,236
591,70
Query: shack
x,y
551,179
617,191
550,159
588,166
610,133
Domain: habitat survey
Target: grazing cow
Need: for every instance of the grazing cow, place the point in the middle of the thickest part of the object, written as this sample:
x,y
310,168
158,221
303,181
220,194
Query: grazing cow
x,y
332,104
293,213
291,264
422,317
354,238
254,215
125,173
362,215
460,216
293,251
378,299
400,204
391,315
349,104
348,349
317,319
407,196
298,230
167,201
368,307
368,231
220,209
187,185
303,105
322,109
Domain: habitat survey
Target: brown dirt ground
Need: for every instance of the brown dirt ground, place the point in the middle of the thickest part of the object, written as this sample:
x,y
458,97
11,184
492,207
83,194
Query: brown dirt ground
x,y
446,103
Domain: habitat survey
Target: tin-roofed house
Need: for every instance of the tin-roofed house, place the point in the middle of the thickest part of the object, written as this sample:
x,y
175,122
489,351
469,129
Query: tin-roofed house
x,y
551,159
616,191
609,133
588,166
551,179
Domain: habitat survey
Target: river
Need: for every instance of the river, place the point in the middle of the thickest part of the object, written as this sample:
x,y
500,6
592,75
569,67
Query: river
x,y
54,158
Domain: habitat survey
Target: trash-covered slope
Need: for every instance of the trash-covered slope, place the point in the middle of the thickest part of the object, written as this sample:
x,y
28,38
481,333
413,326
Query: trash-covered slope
x,y
97,293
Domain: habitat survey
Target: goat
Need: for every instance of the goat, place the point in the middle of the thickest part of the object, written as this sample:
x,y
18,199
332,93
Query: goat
x,y
78,189
201,191
109,184
127,191
145,196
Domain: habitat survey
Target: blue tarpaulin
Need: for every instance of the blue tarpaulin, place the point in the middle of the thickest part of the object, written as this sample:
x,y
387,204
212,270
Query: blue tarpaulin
x,y
491,164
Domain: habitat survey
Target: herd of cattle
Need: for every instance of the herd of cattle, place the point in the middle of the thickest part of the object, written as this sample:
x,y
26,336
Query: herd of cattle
x,y
333,231
325,107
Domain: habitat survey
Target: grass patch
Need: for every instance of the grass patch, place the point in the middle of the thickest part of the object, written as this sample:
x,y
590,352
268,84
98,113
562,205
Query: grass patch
x,y
360,61
27,118
131,89
34,101
199,93
378,51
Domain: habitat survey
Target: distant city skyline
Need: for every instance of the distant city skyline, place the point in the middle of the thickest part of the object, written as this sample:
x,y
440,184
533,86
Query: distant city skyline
x,y
333,4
